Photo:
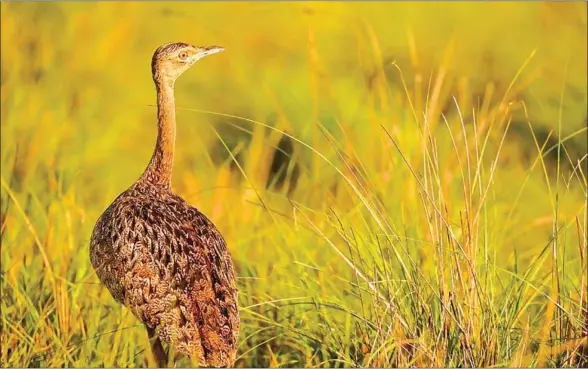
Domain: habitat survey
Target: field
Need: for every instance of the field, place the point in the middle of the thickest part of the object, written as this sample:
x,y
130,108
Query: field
x,y
400,184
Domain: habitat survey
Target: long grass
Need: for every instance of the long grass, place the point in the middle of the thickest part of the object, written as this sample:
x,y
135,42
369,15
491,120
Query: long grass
x,y
426,213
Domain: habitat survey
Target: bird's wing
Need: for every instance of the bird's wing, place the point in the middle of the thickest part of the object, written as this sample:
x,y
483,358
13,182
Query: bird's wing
x,y
212,287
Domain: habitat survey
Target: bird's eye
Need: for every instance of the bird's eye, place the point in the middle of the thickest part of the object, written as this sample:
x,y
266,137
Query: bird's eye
x,y
183,55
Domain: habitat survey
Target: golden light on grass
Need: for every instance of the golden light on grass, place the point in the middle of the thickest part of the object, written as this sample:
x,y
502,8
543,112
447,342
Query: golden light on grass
x,y
439,217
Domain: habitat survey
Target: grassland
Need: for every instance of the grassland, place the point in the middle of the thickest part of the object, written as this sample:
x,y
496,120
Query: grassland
x,y
432,207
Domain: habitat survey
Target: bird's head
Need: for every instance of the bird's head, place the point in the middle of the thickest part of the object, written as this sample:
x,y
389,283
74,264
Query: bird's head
x,y
172,59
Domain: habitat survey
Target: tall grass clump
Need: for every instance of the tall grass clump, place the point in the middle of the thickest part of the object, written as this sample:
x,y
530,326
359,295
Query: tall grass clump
x,y
382,211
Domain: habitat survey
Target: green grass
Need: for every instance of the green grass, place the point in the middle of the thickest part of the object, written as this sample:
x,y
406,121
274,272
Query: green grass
x,y
439,214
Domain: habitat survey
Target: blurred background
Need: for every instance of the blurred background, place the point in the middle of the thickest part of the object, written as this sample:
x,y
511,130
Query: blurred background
x,y
370,165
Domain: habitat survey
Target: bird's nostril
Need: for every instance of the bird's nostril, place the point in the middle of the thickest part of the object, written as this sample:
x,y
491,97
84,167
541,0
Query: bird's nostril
x,y
207,50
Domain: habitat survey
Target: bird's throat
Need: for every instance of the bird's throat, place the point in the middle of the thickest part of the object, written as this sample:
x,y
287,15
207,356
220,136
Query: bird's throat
x,y
159,170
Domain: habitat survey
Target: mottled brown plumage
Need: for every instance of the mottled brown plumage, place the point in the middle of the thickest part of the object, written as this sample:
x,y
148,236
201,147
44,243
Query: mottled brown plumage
x,y
161,257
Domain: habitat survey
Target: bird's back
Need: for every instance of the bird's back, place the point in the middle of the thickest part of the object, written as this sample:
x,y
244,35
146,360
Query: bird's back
x,y
170,265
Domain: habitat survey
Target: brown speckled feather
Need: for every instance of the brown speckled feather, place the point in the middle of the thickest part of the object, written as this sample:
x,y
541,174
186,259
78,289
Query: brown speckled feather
x,y
169,264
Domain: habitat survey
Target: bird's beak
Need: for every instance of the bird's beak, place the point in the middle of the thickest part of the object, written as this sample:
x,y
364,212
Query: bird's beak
x,y
208,50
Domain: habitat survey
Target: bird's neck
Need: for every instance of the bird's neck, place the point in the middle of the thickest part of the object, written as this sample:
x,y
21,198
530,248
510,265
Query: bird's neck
x,y
159,170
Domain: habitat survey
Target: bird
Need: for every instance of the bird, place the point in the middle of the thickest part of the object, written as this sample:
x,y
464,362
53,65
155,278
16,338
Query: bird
x,y
162,258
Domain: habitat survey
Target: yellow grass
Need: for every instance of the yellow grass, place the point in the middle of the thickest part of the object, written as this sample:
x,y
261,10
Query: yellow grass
x,y
432,210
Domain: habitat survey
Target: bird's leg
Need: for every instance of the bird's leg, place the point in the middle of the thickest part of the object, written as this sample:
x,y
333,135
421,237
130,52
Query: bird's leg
x,y
157,348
